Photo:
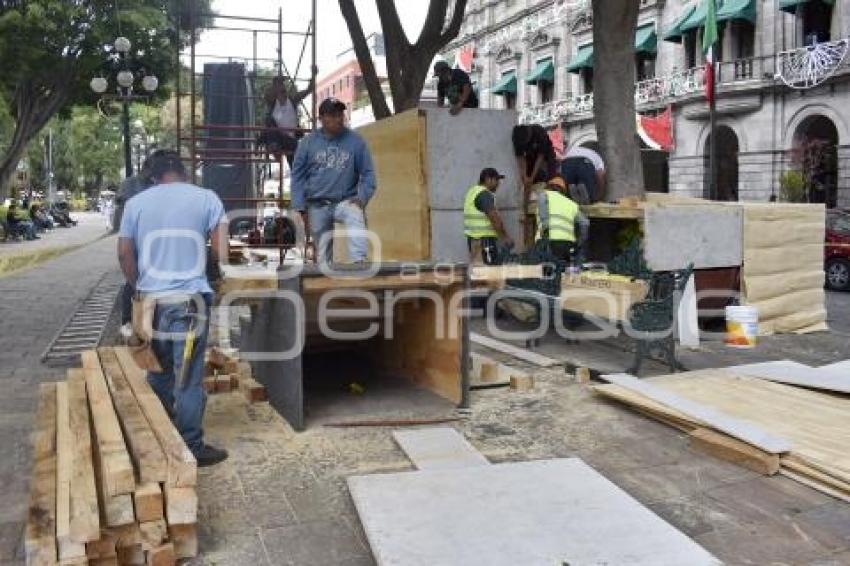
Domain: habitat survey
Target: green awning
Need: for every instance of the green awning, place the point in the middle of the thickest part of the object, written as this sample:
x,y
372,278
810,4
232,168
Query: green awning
x,y
675,32
582,60
507,85
791,5
737,10
544,72
697,19
646,40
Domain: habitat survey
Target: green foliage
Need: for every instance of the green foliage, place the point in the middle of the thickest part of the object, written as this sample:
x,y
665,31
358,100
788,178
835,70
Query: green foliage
x,y
51,49
792,187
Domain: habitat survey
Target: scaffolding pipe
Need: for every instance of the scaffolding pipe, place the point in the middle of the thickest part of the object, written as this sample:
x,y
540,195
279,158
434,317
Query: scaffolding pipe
x,y
314,69
192,88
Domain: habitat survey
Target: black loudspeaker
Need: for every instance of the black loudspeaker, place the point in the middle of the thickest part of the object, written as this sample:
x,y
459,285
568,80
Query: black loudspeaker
x,y
227,102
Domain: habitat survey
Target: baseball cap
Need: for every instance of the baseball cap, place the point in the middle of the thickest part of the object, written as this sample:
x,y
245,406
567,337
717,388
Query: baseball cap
x,y
490,173
439,67
331,106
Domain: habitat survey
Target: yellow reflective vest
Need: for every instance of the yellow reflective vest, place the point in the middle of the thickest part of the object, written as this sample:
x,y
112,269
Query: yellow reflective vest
x,y
476,225
562,218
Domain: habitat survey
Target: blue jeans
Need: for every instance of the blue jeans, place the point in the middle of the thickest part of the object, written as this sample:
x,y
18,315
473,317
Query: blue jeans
x,y
322,217
185,405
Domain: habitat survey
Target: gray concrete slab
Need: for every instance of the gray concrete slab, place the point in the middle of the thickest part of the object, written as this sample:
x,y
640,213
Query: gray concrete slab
x,y
438,448
536,513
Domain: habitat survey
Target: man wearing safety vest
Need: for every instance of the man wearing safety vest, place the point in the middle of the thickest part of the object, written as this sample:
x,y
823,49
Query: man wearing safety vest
x,y
560,221
482,222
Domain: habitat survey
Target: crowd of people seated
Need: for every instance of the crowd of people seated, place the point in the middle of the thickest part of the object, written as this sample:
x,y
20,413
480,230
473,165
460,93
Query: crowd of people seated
x,y
25,221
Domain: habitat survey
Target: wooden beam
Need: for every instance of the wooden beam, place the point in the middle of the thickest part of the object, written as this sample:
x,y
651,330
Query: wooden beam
x,y
182,466
510,349
732,450
85,519
145,451
148,503
161,556
116,469
181,505
185,540
67,548
40,536
379,282
154,533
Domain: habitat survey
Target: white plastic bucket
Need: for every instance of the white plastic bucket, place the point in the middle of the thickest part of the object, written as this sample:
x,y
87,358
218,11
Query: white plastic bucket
x,y
742,326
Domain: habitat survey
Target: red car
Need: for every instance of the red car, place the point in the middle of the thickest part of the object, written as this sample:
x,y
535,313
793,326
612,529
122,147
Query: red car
x,y
837,250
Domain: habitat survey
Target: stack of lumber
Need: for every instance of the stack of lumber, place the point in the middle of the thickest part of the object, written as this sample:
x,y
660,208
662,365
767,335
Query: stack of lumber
x,y
225,373
113,482
767,426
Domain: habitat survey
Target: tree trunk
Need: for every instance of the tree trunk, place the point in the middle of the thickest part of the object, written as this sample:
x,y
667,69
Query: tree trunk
x,y
373,84
33,108
408,65
614,24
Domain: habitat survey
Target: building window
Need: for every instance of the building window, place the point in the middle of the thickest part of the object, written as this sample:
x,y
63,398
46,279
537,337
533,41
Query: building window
x,y
689,40
645,66
817,21
546,91
587,81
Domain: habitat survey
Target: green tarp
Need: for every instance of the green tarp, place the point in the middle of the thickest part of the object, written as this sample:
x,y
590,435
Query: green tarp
x,y
675,32
697,19
543,72
791,5
737,10
507,85
646,40
582,60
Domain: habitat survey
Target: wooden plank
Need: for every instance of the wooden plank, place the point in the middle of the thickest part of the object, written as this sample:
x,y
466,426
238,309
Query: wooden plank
x,y
522,382
737,428
117,470
419,280
148,503
84,514
161,556
40,536
182,466
438,448
519,353
131,555
732,450
145,451
185,540
253,390
67,547
499,273
223,383
154,533
181,505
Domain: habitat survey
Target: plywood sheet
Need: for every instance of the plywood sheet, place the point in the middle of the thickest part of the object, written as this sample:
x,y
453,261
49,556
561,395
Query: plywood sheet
x,y
816,424
708,236
510,349
560,512
438,448
399,212
782,273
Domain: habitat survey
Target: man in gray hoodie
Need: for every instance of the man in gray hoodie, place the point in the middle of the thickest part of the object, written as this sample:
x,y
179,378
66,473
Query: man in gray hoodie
x,y
332,181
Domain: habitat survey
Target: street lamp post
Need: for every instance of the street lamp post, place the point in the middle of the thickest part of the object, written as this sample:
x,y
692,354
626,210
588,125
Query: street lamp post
x,y
125,79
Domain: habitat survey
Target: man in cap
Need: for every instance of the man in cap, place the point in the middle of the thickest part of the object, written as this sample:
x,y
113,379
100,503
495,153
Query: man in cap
x,y
482,223
332,181
454,85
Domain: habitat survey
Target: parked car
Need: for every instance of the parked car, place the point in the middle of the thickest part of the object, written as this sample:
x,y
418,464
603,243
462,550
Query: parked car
x,y
837,250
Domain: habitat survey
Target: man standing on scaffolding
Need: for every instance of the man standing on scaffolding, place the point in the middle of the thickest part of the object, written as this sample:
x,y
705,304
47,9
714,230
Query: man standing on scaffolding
x,y
282,102
332,181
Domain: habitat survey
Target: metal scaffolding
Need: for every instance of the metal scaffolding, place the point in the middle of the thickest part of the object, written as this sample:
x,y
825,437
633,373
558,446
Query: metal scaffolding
x,y
201,143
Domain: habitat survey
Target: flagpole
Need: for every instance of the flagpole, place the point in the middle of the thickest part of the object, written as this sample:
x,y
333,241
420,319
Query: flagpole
x,y
713,192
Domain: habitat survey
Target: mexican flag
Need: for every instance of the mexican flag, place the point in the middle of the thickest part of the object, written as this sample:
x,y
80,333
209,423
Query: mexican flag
x,y
709,45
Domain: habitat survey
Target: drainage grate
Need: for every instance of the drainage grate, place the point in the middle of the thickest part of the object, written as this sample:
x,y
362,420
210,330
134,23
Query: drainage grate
x,y
84,330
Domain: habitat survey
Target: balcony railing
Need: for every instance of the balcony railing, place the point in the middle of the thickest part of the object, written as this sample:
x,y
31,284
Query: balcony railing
x,y
799,68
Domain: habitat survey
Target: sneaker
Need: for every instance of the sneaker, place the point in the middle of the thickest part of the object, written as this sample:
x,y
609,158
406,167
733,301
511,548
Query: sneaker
x,y
210,456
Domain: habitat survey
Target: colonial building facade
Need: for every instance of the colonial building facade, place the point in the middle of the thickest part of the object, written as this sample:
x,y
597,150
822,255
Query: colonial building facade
x,y
783,86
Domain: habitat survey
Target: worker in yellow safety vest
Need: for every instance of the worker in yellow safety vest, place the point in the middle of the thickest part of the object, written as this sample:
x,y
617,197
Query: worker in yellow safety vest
x,y
482,223
561,222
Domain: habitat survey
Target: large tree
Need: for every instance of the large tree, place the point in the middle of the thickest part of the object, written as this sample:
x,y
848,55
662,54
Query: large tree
x,y
614,23
50,50
408,64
